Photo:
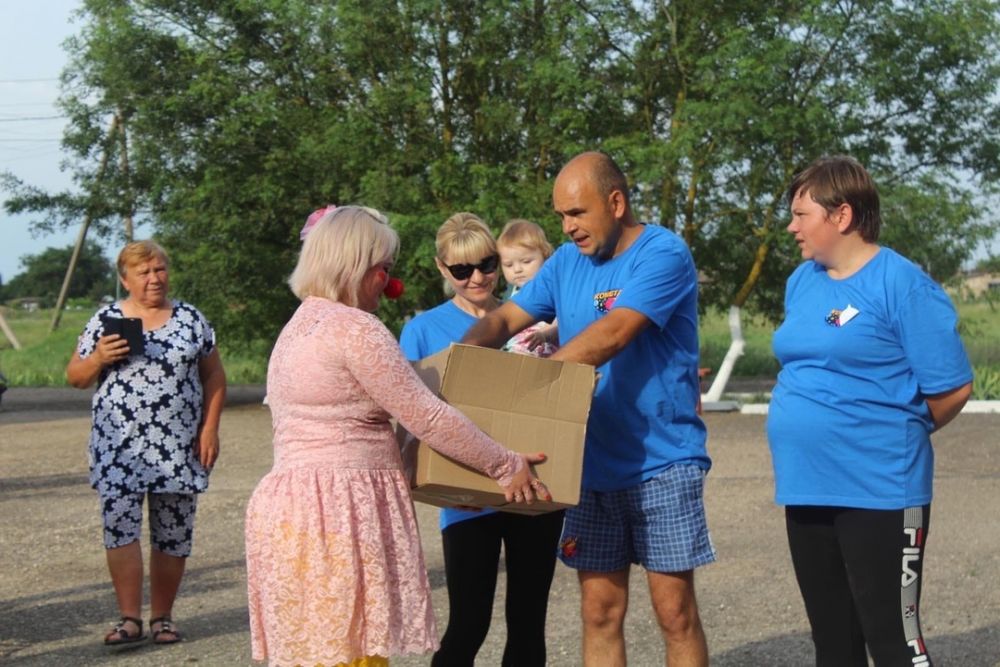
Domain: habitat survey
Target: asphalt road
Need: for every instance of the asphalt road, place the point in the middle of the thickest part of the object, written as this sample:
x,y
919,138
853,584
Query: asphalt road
x,y
56,600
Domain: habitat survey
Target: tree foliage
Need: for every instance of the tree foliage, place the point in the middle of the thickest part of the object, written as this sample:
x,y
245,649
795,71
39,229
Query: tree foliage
x,y
44,272
237,119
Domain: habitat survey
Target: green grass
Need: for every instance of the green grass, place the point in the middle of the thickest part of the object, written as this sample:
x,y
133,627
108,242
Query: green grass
x,y
757,359
43,358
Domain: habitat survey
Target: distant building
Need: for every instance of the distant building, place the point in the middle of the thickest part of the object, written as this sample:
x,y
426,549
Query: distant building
x,y
977,284
28,303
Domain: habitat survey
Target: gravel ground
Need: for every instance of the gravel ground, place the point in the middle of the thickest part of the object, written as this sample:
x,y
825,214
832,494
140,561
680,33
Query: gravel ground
x,y
56,600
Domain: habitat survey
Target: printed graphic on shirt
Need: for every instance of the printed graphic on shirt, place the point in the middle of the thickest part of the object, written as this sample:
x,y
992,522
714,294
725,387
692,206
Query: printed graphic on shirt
x,y
838,318
605,301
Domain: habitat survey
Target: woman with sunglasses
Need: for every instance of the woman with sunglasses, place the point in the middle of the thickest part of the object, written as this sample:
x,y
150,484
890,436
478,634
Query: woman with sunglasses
x,y
468,261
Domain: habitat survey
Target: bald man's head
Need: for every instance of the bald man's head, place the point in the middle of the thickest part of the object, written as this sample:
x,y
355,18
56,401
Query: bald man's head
x,y
601,170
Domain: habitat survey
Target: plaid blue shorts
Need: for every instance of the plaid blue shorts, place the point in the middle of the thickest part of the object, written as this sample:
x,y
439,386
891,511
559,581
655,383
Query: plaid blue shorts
x,y
659,524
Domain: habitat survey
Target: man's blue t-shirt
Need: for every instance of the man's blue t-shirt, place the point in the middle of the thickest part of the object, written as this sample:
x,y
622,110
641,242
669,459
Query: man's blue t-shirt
x,y
429,332
848,423
643,418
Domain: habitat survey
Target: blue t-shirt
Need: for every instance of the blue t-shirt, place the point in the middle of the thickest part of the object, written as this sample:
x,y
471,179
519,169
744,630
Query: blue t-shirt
x,y
429,332
848,423
643,418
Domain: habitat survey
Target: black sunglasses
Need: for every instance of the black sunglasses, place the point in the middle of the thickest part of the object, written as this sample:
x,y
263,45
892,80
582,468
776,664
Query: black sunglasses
x,y
465,271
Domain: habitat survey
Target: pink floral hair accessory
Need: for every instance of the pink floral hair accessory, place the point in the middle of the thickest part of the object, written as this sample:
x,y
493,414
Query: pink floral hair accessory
x,y
313,218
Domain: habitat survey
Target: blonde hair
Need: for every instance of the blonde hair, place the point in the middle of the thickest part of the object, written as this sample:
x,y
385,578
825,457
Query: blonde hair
x,y
464,238
138,252
339,250
527,234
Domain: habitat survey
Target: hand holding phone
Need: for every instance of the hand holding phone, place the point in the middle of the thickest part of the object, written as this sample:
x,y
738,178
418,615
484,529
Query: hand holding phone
x,y
130,329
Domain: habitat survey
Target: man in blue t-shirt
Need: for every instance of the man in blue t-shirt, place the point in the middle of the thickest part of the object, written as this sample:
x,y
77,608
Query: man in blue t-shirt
x,y
626,301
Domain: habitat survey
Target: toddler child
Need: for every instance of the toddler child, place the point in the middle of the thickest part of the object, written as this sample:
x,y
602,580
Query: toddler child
x,y
523,249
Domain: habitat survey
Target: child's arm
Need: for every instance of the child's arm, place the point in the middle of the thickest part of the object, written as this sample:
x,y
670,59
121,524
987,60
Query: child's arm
x,y
545,334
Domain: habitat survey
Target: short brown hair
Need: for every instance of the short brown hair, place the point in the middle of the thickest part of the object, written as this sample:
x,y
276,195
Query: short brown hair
x,y
527,234
833,180
608,176
138,252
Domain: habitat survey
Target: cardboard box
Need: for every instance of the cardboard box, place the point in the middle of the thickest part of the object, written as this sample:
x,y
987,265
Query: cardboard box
x,y
525,403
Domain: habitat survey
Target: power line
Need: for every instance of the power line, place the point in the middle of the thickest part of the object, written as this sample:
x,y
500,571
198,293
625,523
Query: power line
x,y
28,80
7,140
24,118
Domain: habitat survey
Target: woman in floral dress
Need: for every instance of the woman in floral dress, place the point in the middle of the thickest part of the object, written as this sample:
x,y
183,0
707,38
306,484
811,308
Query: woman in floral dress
x,y
155,433
334,565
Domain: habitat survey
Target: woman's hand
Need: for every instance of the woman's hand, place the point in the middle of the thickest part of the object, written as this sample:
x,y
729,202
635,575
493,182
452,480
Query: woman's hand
x,y
213,384
206,447
524,485
83,372
110,349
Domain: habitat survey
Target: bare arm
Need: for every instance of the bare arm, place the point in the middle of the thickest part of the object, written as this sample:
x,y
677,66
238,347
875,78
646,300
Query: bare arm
x,y
946,406
213,383
603,339
83,372
498,326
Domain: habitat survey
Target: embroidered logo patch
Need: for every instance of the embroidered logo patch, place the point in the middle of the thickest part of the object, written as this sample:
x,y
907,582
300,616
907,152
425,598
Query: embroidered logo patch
x,y
568,547
605,301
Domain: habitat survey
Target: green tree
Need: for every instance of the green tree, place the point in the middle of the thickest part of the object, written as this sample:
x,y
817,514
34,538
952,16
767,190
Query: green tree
x,y
728,100
235,120
990,264
44,272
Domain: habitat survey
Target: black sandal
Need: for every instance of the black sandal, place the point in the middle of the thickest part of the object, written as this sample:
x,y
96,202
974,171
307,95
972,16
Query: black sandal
x,y
123,636
166,627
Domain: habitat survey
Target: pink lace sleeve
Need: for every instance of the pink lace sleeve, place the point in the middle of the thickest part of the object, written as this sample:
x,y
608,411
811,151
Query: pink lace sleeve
x,y
373,357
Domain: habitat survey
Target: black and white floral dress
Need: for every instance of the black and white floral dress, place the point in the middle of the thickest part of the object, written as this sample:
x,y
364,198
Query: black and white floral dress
x,y
147,409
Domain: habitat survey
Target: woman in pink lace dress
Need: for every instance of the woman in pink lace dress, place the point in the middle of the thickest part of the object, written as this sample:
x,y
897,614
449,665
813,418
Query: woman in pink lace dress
x,y
335,570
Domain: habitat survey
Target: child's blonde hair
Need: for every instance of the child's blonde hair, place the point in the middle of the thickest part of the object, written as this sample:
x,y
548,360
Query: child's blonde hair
x,y
527,234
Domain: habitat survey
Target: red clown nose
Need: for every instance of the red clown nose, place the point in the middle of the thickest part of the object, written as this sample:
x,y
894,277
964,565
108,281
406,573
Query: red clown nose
x,y
393,289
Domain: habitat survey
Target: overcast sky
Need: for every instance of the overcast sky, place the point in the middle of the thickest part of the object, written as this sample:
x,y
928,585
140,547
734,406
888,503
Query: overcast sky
x,y
31,58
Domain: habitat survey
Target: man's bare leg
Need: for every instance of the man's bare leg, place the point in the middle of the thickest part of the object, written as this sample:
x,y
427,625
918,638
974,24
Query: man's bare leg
x,y
603,603
677,613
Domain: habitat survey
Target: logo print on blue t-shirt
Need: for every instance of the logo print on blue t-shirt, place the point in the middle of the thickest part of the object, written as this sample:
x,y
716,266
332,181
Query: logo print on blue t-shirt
x,y
838,318
605,301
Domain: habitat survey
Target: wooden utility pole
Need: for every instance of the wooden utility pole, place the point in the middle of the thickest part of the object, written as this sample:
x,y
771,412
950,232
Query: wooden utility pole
x,y
126,178
7,331
88,217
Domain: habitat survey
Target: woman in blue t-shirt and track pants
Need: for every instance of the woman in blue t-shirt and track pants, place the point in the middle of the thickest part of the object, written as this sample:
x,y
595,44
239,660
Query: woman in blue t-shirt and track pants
x,y
872,364
468,260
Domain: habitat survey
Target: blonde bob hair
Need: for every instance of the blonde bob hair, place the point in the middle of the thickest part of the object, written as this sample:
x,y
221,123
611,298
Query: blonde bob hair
x,y
526,234
464,238
138,252
339,250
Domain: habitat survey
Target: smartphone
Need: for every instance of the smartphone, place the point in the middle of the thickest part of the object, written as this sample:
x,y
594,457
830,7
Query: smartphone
x,y
129,328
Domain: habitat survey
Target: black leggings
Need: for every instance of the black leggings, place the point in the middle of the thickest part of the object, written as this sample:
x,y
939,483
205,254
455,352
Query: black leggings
x,y
860,573
471,558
